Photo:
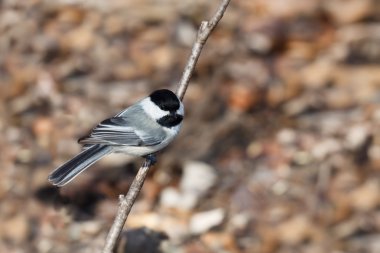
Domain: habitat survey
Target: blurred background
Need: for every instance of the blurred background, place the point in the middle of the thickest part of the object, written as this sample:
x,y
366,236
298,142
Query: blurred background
x,y
280,148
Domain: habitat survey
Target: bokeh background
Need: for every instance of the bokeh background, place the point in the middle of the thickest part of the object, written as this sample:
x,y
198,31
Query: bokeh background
x,y
280,148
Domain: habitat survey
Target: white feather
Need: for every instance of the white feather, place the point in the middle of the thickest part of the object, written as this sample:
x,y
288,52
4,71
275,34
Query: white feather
x,y
152,109
181,110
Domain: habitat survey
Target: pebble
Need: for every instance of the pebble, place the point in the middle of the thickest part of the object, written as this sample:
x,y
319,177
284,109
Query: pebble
x,y
356,136
242,97
366,197
325,147
79,39
294,230
16,228
204,221
196,181
198,177
348,11
175,227
240,221
185,33
170,197
318,74
287,136
366,243
220,242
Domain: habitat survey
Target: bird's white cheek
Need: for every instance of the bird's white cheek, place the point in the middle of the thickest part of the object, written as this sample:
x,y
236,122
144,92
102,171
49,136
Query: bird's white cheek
x,y
181,110
152,109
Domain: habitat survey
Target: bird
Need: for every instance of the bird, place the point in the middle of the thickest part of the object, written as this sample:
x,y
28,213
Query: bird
x,y
142,129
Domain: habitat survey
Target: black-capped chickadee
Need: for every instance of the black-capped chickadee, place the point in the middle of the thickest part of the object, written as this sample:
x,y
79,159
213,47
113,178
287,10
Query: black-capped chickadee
x,y
141,130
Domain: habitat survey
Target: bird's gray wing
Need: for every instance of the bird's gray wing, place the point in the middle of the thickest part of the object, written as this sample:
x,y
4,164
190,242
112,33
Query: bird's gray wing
x,y
125,131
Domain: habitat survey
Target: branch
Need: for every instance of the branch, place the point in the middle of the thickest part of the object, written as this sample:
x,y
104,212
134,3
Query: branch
x,y
204,31
126,202
125,206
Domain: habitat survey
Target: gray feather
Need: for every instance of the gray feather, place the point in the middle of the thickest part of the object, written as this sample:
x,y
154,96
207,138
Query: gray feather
x,y
66,172
127,128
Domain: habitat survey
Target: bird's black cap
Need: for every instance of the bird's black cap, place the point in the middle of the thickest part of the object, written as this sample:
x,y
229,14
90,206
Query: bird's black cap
x,y
165,99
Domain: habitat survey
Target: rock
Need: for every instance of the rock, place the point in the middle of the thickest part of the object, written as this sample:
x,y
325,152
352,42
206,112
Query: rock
x,y
276,94
287,136
170,197
220,242
318,74
289,8
113,25
346,228
366,243
374,155
356,136
240,221
141,240
366,197
343,11
297,106
254,149
175,227
295,230
42,128
16,228
331,123
204,221
163,57
91,228
185,33
71,15
325,147
339,98
79,39
260,42
197,179
242,97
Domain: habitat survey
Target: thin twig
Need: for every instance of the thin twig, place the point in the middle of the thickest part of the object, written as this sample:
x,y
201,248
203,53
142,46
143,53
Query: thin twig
x,y
125,206
204,31
126,202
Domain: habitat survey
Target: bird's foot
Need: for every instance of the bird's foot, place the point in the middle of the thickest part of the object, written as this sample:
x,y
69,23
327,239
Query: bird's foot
x,y
150,159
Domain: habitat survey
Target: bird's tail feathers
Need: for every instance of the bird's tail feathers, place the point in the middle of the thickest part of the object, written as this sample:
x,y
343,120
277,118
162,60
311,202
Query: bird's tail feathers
x,y
69,170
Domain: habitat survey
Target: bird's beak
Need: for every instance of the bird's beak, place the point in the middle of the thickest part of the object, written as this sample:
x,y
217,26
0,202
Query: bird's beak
x,y
175,115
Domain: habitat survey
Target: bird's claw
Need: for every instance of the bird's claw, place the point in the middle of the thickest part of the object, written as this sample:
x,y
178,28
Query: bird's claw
x,y
150,159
